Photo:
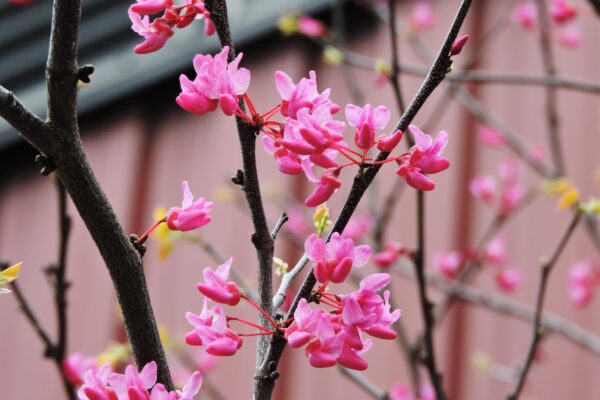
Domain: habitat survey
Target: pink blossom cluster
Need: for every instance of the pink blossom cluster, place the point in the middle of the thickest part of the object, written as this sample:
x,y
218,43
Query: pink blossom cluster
x,y
584,278
336,337
422,16
390,254
104,384
211,327
160,30
507,194
451,263
563,15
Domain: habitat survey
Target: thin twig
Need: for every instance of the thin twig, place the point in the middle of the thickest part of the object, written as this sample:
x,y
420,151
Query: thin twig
x,y
364,383
282,220
551,106
395,73
537,334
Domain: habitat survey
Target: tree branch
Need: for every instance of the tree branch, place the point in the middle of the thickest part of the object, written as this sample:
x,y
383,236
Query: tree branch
x,y
546,268
262,239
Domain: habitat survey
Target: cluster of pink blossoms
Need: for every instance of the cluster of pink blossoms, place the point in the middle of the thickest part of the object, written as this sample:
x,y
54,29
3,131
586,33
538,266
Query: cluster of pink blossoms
x,y
484,188
562,13
450,264
160,30
309,135
336,336
103,384
584,278
330,337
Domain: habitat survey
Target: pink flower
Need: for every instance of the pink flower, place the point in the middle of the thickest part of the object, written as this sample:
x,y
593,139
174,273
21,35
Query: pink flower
x,y
389,255
313,134
76,365
387,143
217,288
334,260
327,185
324,350
211,331
495,251
302,95
358,227
366,120
399,391
458,45
483,188
508,279
509,171
311,27
155,34
425,157
570,36
422,16
95,385
150,6
525,15
562,12
134,385
288,162
448,264
491,138
304,327
217,83
511,198
190,389
191,215
426,392
583,275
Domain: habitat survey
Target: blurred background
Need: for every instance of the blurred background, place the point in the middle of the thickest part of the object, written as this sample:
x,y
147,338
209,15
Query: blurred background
x,y
142,145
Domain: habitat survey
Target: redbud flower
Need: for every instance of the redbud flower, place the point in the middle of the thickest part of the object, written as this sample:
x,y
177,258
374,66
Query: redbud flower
x,y
212,332
582,278
155,34
509,171
366,120
76,365
399,391
387,143
448,264
216,286
495,251
358,227
561,11
217,83
302,95
511,198
95,385
327,185
389,255
570,36
458,45
334,260
508,279
422,16
305,325
325,349
311,27
483,188
425,157
491,138
525,15
150,6
132,384
191,215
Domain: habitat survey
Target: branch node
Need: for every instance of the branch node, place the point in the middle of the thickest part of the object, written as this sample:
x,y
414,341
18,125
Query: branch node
x,y
84,73
46,164
139,246
238,179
